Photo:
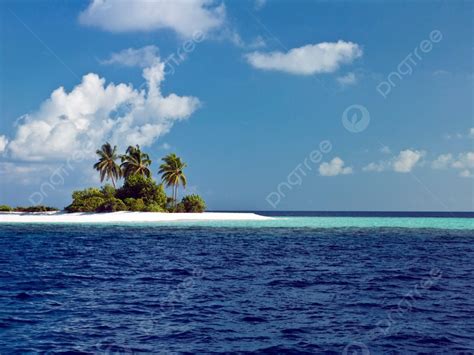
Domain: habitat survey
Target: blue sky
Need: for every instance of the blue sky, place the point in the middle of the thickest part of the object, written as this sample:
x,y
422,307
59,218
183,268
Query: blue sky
x,y
261,85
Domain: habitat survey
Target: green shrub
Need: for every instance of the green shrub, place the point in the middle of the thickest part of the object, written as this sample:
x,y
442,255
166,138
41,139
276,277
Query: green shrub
x,y
89,200
86,193
5,208
112,205
140,187
192,203
180,208
88,204
39,208
137,194
108,191
154,207
135,205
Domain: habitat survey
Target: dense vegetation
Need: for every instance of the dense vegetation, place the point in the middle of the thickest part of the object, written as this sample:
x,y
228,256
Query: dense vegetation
x,y
139,191
39,208
191,203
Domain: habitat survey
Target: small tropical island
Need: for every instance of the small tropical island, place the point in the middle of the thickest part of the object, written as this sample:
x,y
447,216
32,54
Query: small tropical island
x,y
139,192
139,198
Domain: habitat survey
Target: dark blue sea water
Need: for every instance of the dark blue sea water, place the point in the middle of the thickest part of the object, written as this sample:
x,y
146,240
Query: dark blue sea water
x,y
132,289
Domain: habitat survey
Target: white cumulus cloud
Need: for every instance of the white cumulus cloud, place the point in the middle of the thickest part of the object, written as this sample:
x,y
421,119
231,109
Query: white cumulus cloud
x,y
348,79
3,143
24,173
135,57
334,167
94,112
469,135
407,160
466,174
376,167
464,162
442,162
184,17
311,59
404,162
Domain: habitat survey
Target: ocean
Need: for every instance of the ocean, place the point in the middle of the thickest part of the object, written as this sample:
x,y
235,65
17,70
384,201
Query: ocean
x,y
341,283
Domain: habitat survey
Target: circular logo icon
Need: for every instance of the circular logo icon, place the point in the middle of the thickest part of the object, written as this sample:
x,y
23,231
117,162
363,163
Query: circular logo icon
x,y
356,118
356,348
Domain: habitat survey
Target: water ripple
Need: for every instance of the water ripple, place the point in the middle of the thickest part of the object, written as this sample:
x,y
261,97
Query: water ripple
x,y
134,289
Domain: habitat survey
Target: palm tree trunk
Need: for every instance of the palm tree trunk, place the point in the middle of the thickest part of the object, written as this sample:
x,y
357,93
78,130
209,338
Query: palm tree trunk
x,y
175,196
113,181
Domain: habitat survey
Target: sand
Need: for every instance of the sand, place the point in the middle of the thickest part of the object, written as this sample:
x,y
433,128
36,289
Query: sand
x,y
124,217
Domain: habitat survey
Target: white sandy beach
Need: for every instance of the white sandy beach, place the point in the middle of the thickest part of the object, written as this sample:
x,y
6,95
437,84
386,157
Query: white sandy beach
x,y
124,217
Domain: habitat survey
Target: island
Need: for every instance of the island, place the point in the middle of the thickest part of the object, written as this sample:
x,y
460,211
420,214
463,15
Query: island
x,y
139,198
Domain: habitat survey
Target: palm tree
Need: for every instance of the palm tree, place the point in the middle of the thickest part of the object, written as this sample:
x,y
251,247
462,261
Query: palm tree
x,y
135,162
106,165
172,173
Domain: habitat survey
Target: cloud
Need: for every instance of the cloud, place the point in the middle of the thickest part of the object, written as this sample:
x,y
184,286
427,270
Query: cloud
x,y
259,4
376,167
469,134
311,59
385,150
257,42
183,17
238,41
334,167
3,143
442,162
24,173
348,79
464,162
142,57
407,160
454,136
165,146
466,174
441,72
94,112
404,162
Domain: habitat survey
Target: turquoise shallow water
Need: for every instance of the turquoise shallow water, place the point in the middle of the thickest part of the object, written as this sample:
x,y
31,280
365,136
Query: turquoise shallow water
x,y
349,222
346,222
332,222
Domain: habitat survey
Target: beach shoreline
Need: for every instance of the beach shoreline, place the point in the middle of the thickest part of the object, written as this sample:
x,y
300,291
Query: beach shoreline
x,y
124,217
